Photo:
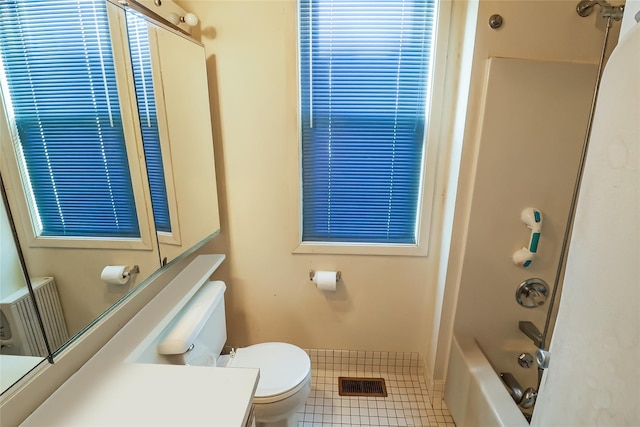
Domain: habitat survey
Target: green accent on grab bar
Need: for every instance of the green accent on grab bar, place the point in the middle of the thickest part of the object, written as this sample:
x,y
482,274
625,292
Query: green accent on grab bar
x,y
533,247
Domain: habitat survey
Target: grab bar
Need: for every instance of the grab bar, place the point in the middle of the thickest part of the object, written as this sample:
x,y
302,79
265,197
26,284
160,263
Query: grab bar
x,y
533,220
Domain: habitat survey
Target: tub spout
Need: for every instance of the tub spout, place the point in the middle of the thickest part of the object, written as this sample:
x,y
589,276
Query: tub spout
x,y
530,330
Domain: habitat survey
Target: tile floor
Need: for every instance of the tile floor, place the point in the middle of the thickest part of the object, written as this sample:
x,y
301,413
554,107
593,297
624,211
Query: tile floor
x,y
407,403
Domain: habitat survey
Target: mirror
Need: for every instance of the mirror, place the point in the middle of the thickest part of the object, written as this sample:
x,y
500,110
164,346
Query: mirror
x,y
17,344
176,65
149,83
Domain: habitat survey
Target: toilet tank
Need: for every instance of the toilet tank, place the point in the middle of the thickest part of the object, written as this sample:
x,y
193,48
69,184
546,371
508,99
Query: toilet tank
x,y
201,323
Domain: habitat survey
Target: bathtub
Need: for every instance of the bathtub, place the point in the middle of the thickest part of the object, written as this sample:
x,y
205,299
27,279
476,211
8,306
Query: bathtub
x,y
474,393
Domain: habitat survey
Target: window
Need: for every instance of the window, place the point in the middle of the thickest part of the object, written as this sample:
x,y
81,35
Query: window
x,y
365,77
61,99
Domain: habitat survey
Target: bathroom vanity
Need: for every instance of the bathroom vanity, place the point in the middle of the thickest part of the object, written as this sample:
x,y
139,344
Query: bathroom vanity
x,y
111,389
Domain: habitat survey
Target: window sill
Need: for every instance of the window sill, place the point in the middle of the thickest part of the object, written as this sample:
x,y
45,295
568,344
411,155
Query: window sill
x,y
361,249
91,242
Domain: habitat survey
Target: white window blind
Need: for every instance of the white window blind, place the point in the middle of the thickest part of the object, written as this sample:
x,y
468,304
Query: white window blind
x,y
365,71
60,95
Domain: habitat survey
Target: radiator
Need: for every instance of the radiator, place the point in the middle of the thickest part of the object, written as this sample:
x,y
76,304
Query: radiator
x,y
21,333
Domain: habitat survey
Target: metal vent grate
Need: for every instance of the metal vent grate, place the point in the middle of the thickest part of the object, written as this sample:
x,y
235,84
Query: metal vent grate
x,y
372,387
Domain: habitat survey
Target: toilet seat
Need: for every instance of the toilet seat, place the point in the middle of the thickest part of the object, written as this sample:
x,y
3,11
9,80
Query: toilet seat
x,y
284,369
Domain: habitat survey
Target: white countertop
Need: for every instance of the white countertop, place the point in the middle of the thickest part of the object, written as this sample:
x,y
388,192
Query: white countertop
x,y
109,391
13,367
153,395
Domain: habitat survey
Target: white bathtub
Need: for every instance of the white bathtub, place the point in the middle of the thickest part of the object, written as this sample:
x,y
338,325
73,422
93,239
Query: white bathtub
x,y
474,393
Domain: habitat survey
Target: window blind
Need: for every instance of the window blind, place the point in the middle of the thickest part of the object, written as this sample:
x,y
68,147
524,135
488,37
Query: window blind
x,y
365,69
143,77
59,89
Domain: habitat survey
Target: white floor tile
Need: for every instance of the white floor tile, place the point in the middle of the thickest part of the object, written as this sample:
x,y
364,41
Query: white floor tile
x,y
408,403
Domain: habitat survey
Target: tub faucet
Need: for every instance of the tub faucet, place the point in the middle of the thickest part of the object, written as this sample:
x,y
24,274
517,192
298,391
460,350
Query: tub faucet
x,y
530,330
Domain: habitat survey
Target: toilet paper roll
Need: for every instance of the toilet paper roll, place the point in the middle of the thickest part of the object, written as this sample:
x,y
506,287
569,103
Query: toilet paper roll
x,y
115,275
326,280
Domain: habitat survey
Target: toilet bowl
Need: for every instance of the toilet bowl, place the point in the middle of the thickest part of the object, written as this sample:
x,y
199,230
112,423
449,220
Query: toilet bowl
x,y
285,381
197,337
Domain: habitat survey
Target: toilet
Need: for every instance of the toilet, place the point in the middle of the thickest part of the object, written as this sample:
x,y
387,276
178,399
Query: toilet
x,y
198,334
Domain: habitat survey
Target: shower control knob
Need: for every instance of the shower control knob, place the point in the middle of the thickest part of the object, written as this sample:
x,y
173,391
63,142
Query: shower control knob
x,y
525,360
532,293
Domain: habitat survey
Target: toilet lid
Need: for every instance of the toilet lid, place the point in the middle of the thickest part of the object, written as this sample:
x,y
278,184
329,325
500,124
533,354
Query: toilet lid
x,y
282,366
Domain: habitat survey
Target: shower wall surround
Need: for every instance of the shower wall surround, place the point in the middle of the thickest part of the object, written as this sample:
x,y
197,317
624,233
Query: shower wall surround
x,y
528,157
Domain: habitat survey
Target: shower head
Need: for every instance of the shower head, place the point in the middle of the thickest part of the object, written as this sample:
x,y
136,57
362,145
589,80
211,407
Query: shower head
x,y
585,7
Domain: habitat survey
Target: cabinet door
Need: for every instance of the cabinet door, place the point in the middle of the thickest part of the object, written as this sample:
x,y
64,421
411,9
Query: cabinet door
x,y
176,79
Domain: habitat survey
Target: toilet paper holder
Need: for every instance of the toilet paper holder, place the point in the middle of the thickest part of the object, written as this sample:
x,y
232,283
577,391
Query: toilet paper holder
x,y
312,274
134,270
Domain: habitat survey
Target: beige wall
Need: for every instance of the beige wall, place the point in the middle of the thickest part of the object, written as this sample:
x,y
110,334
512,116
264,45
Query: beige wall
x,y
384,302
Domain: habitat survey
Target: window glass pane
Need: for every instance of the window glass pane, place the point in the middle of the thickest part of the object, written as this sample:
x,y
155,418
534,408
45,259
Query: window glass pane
x,y
364,79
59,89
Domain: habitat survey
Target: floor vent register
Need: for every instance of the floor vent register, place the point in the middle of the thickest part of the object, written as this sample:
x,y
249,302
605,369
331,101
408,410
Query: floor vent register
x,y
368,387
